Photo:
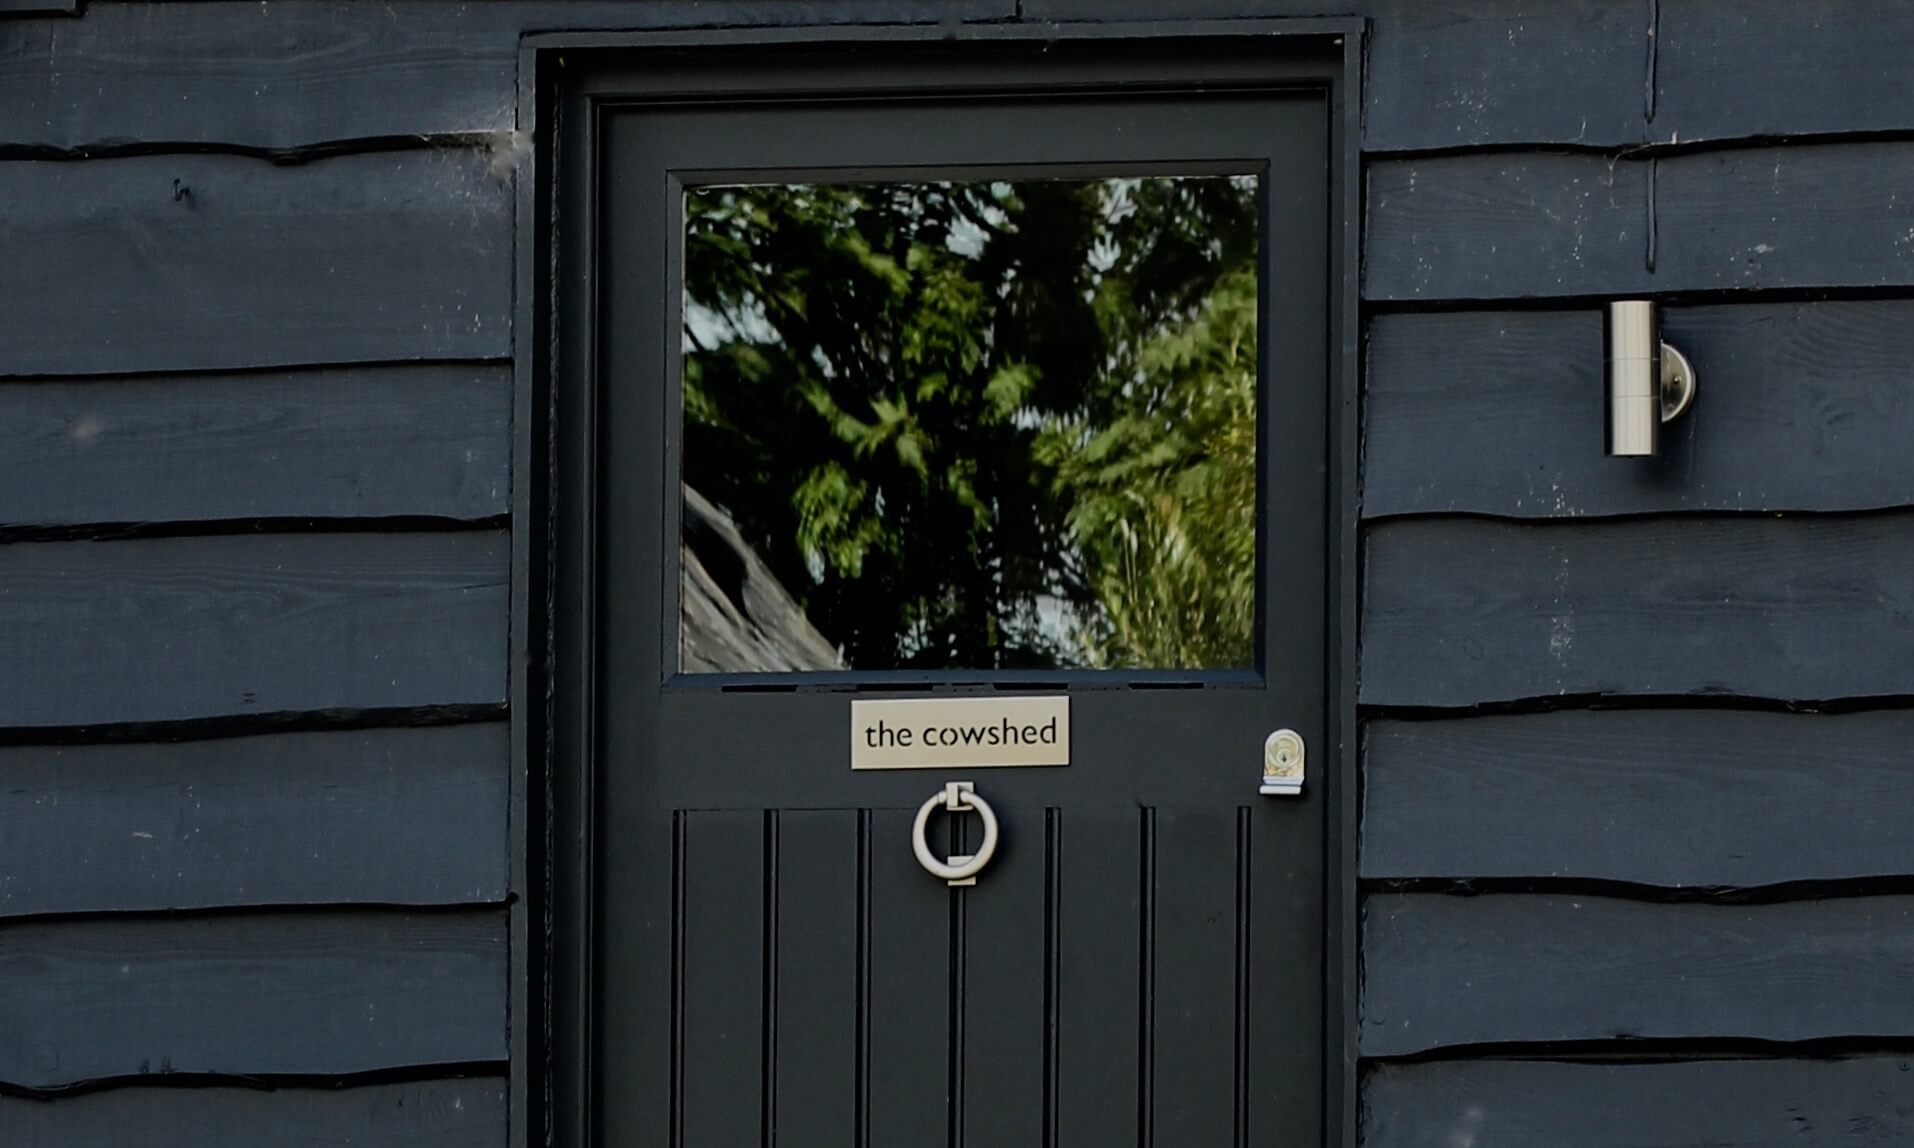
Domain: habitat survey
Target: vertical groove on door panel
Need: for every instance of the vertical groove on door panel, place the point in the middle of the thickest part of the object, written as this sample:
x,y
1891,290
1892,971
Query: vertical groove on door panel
x,y
1099,971
1146,983
909,989
958,934
725,909
1241,1077
1195,897
861,1084
768,982
815,1051
1052,956
1004,962
677,978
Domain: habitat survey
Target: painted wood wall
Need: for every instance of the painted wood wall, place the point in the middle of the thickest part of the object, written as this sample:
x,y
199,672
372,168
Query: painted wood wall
x,y
1637,856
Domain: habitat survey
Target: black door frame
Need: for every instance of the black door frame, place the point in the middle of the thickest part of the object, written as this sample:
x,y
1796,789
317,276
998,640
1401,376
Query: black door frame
x,y
554,660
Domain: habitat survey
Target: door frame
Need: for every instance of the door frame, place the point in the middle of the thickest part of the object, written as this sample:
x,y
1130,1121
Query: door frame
x,y
552,702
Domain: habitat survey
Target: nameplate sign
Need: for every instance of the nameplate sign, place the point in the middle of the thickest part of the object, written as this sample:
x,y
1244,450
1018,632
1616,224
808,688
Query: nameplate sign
x,y
926,733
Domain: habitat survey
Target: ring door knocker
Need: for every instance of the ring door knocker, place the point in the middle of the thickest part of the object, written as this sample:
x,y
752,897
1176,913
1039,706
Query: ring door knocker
x,y
958,797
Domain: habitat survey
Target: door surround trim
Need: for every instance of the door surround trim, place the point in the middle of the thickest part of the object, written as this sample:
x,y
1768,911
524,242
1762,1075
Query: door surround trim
x,y
552,703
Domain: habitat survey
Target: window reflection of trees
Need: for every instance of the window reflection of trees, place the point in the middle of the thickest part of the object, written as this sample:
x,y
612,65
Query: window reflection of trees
x,y
979,425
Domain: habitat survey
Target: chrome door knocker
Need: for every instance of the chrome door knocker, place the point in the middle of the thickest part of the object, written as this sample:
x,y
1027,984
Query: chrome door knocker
x,y
958,797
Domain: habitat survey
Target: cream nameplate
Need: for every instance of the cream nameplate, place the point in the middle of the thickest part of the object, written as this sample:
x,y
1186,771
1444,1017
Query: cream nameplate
x,y
922,733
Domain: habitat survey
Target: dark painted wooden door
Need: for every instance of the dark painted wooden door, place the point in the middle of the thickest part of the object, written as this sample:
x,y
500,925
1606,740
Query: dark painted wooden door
x,y
1142,960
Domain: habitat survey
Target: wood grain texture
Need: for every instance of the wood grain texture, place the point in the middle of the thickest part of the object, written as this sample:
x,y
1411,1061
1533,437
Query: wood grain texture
x,y
427,441
1470,73
1501,226
1443,972
1826,215
38,8
1504,226
1463,73
197,262
1462,611
298,73
1805,406
1783,68
1661,797
1186,10
176,628
392,816
1865,1102
426,1114
315,994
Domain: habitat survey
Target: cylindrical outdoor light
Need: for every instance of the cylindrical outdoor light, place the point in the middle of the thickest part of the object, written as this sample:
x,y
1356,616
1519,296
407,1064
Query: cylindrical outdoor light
x,y
1648,382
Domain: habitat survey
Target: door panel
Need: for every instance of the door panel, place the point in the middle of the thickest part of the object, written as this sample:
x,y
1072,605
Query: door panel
x,y
1099,936
723,949
908,1074
820,914
1141,962
1003,966
1194,974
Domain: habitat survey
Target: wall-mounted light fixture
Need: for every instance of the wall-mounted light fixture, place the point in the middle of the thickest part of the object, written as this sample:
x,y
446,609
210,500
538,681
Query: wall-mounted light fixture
x,y
1649,382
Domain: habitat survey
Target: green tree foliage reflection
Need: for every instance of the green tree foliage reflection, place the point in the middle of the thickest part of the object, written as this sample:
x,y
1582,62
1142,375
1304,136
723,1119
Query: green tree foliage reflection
x,y
988,424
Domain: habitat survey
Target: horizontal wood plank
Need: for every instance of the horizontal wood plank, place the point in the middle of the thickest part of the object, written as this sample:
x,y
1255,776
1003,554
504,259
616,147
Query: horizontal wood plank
x,y
1444,971
430,441
1462,73
1804,406
297,73
1507,226
38,8
1851,1103
311,994
1758,68
393,816
198,262
1470,73
1661,797
180,628
1463,611
1187,9
1822,215
425,1114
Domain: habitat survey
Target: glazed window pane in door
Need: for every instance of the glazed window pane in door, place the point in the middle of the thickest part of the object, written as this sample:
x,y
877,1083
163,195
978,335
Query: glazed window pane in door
x,y
982,425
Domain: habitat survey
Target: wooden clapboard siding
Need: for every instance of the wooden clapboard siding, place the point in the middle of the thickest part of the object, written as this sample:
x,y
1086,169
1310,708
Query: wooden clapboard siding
x,y
390,816
1458,612
373,259
432,440
197,262
302,73
183,628
1503,226
1862,1102
303,994
1757,68
1507,226
1463,73
1809,406
1675,798
1447,971
455,1113
1821,215
1128,10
